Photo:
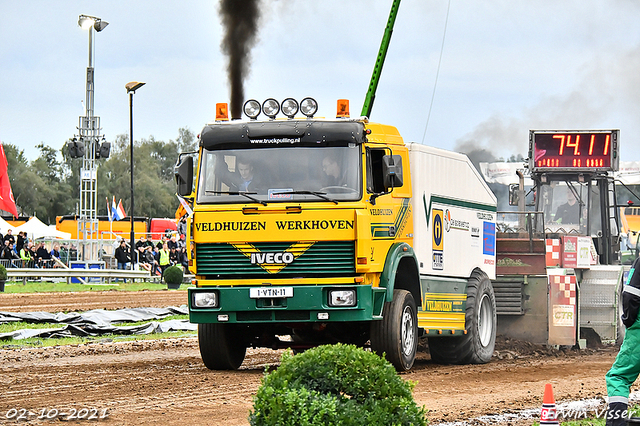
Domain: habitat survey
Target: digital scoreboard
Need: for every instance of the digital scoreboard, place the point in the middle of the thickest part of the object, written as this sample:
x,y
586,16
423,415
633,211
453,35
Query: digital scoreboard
x,y
588,150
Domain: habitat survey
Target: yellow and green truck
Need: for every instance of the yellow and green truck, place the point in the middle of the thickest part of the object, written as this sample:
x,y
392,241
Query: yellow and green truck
x,y
308,231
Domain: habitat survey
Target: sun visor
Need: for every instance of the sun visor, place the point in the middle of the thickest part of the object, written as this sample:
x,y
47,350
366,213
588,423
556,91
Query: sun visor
x,y
293,132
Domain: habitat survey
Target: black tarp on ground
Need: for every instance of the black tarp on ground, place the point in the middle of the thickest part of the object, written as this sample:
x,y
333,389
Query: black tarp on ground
x,y
97,322
96,316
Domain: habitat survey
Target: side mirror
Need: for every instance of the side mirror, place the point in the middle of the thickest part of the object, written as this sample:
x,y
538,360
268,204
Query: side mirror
x,y
183,172
392,171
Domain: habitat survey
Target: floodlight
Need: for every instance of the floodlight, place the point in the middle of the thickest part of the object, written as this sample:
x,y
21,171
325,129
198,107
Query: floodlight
x,y
309,107
252,109
270,108
290,107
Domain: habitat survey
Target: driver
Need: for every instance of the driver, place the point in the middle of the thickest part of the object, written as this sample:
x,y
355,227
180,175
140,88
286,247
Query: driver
x,y
245,169
333,172
242,180
568,212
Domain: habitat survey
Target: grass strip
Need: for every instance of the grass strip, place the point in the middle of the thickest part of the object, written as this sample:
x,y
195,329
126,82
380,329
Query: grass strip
x,y
53,287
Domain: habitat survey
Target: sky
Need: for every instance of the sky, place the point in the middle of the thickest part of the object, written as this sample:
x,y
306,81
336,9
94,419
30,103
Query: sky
x,y
502,67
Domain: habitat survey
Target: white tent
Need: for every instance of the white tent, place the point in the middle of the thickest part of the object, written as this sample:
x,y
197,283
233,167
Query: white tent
x,y
629,172
4,226
505,173
35,229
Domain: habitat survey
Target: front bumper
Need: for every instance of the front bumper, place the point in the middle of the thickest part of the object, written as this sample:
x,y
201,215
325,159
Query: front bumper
x,y
308,304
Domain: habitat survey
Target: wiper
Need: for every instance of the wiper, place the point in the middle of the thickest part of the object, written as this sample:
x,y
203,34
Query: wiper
x,y
243,193
316,193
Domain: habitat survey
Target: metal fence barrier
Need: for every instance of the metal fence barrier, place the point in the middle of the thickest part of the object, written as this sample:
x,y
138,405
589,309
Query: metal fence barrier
x,y
18,269
82,275
19,263
57,269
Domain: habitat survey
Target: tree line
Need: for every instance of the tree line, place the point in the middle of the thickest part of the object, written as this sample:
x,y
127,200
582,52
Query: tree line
x,y
49,186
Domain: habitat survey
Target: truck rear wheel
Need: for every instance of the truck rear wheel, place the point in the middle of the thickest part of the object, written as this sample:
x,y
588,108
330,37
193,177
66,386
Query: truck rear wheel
x,y
396,334
475,347
221,346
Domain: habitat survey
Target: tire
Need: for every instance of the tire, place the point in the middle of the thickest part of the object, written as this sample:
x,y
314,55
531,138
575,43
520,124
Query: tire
x,y
475,347
396,334
221,346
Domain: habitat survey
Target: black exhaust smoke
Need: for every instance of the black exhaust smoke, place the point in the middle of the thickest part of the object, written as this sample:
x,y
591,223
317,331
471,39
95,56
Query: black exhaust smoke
x,y
240,22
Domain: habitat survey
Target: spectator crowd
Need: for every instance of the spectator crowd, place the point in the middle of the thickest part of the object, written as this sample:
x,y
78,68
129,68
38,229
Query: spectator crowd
x,y
156,258
17,251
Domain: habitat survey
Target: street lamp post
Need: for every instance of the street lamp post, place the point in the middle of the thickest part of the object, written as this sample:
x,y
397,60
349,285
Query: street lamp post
x,y
131,89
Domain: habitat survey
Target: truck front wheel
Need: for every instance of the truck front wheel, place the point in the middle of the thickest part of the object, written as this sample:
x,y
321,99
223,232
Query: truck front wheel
x,y
221,346
396,335
476,346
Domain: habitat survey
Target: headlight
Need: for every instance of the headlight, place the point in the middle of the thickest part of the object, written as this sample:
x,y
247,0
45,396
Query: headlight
x,y
290,107
342,297
308,107
205,300
271,108
252,109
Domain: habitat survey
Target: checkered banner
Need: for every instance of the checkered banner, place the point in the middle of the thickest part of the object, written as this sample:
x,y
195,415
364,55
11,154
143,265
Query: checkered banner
x,y
553,252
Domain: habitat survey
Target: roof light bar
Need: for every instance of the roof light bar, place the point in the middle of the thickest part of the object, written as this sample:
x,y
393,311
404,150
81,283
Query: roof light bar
x,y
289,107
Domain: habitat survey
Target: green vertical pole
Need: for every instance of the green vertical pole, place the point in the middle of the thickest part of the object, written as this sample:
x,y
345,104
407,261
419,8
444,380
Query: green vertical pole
x,y
377,69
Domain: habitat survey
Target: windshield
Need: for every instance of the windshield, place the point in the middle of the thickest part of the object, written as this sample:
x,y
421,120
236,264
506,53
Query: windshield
x,y
281,174
571,207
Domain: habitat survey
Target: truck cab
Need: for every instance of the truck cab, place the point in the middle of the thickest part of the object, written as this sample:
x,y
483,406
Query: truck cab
x,y
302,234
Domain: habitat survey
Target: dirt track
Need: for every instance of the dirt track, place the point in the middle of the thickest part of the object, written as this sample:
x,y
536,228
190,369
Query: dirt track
x,y
164,382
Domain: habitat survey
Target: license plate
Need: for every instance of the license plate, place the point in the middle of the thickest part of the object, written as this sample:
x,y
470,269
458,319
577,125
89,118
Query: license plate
x,y
270,292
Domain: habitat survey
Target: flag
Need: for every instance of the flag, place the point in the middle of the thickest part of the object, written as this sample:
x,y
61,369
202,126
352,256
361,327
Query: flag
x,y
113,209
7,203
109,210
180,212
184,208
119,213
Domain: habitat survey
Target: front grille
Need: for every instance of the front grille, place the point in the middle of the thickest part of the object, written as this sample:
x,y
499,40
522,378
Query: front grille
x,y
253,316
291,315
322,259
249,316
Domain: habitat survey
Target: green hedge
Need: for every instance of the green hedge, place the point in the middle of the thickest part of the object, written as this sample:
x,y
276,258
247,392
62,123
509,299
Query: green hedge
x,y
335,385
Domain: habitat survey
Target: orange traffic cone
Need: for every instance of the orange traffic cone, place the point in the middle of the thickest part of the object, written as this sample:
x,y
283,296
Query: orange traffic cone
x,y
548,415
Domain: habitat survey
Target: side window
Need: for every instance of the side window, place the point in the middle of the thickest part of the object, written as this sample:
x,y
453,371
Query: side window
x,y
375,181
